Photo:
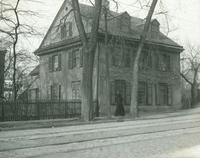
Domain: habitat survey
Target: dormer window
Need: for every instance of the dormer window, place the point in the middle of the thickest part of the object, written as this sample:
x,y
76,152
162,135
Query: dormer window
x,y
66,30
155,28
124,22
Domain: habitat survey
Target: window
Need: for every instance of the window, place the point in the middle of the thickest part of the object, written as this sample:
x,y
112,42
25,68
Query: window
x,y
163,94
76,90
145,60
75,58
162,62
55,63
66,30
144,93
165,62
116,57
121,57
127,58
124,88
141,93
155,29
124,22
55,92
33,94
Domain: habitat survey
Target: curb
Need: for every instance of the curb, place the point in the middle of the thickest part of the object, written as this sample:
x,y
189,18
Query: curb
x,y
36,124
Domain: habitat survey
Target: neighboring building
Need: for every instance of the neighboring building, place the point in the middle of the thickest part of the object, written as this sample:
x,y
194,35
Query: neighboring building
x,y
61,61
30,89
8,89
2,66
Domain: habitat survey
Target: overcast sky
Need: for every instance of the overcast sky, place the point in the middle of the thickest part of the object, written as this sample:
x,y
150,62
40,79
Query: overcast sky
x,y
183,17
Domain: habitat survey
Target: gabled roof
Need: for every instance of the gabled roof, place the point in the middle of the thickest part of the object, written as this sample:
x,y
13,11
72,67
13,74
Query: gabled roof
x,y
137,25
35,71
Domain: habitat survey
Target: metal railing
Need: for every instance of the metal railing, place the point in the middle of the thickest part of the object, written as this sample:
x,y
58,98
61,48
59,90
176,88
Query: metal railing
x,y
38,110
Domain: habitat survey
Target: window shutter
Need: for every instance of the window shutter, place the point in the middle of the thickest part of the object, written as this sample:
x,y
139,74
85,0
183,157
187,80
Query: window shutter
x,y
112,92
157,94
70,29
59,62
48,92
59,92
50,64
149,60
37,93
81,57
70,62
113,51
157,61
149,93
113,60
128,93
168,63
169,95
127,59
74,58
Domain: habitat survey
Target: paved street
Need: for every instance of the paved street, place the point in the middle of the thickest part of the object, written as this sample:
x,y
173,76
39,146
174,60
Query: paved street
x,y
173,137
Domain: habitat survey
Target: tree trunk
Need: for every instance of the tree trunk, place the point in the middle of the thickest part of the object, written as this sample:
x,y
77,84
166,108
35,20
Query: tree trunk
x,y
14,73
194,88
89,48
87,93
193,96
134,91
14,52
107,76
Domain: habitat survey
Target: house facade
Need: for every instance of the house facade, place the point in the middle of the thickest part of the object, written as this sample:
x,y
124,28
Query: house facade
x,y
61,61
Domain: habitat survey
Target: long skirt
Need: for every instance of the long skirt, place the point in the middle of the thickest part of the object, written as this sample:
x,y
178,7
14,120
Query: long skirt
x,y
119,110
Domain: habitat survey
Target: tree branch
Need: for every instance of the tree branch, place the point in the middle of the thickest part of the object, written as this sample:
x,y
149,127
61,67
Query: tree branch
x,y
184,77
79,22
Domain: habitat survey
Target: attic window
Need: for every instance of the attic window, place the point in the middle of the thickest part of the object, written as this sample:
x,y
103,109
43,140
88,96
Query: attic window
x,y
155,27
66,30
125,22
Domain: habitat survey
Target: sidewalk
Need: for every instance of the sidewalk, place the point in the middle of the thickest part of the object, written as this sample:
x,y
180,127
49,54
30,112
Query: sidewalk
x,y
34,124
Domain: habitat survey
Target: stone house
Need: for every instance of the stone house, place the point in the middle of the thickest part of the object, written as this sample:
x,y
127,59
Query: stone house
x,y
61,61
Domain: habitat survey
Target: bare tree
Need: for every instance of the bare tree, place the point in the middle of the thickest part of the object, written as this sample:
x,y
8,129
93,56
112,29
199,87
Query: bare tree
x,y
89,48
11,17
133,107
190,65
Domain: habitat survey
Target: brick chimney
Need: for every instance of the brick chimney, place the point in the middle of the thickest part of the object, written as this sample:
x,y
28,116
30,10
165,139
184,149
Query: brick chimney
x,y
106,4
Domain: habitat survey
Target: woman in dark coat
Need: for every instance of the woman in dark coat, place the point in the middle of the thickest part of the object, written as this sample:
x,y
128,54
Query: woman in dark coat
x,y
119,105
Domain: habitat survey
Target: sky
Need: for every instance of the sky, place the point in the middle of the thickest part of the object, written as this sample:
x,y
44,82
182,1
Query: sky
x,y
183,17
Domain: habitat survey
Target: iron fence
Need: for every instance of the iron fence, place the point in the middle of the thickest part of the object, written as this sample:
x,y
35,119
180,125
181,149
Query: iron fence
x,y
37,110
